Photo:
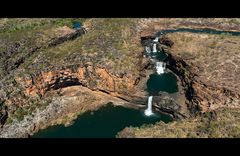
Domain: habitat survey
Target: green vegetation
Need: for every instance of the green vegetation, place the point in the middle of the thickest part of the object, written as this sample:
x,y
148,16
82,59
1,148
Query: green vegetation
x,y
34,31
19,114
20,24
225,124
109,40
24,36
9,120
44,105
15,24
68,21
27,109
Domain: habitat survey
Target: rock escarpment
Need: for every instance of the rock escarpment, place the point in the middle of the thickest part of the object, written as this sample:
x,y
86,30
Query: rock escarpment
x,y
201,96
108,59
165,102
168,105
15,53
31,87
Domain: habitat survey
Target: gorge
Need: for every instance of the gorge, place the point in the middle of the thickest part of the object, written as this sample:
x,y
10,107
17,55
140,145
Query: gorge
x,y
144,76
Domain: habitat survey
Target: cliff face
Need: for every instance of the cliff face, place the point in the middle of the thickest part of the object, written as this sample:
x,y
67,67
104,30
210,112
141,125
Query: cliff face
x,y
44,69
94,78
65,59
207,66
16,52
201,96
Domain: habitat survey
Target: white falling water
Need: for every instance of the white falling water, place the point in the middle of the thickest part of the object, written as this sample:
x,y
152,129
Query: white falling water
x,y
154,47
156,39
148,50
148,111
160,66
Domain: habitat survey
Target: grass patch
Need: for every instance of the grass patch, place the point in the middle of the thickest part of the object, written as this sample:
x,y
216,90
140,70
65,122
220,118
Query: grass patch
x,y
226,124
19,114
19,24
109,40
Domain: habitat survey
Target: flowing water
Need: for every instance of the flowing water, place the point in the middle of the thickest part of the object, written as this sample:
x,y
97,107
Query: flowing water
x,y
206,31
160,67
109,120
148,111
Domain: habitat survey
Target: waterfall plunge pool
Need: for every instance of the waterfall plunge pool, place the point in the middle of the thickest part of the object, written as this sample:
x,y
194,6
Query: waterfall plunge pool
x,y
105,122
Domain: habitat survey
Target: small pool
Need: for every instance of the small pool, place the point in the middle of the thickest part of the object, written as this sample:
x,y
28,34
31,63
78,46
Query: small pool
x,y
166,82
77,25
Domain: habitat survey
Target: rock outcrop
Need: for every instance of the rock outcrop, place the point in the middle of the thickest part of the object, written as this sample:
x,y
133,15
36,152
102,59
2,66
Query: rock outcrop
x,y
201,96
74,100
37,80
168,105
100,63
15,53
166,41
94,78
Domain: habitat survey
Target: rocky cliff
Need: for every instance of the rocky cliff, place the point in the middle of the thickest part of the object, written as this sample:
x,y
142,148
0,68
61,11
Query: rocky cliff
x,y
45,69
64,59
206,65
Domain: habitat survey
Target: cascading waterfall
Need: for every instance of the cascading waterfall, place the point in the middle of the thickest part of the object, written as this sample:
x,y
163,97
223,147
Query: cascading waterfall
x,y
148,111
148,50
160,66
156,39
154,47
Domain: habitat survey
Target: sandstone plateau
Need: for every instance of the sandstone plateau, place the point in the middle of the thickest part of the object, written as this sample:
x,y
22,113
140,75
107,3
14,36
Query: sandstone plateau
x,y
50,73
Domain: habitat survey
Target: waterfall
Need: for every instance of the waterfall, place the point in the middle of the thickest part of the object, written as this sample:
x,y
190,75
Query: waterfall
x,y
154,47
147,49
148,111
156,39
160,66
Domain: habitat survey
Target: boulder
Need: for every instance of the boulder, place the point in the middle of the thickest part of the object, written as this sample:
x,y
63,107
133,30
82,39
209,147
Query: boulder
x,y
166,104
147,40
166,41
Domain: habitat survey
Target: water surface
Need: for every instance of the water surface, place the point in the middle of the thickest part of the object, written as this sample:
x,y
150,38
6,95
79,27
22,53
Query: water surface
x,y
103,123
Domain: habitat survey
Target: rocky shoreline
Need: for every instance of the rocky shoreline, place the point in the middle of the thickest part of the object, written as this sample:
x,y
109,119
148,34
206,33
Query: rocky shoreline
x,y
85,86
201,96
63,109
207,102
54,80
